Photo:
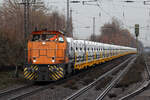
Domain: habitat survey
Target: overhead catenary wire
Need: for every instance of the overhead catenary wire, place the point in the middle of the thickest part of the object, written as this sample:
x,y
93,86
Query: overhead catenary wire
x,y
123,14
109,13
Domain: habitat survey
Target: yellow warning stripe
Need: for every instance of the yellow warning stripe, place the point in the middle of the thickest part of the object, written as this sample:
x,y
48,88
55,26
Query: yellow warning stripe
x,y
52,74
36,77
26,76
25,69
54,77
33,76
55,67
30,75
51,77
34,67
31,66
25,73
60,68
59,74
50,69
60,71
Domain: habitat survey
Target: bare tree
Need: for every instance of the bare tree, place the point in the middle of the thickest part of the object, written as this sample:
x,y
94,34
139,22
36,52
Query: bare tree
x,y
12,28
113,33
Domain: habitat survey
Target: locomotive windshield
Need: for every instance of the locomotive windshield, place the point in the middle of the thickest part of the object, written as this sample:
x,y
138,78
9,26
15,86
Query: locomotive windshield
x,y
47,37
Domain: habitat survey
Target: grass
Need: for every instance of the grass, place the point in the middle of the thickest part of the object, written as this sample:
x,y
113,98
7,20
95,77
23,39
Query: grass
x,y
7,79
134,75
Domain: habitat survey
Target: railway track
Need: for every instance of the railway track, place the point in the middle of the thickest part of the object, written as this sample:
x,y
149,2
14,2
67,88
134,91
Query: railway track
x,y
147,64
91,85
115,80
28,93
28,90
21,92
145,83
7,92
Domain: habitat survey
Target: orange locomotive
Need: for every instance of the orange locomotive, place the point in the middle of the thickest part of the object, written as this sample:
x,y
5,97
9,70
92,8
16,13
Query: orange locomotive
x,y
47,56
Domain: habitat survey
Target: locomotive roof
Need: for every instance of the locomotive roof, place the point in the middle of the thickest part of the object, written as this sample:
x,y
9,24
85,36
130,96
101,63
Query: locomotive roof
x,y
46,32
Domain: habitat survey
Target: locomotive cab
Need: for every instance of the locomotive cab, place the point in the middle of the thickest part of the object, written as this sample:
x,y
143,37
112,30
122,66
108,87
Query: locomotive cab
x,y
46,56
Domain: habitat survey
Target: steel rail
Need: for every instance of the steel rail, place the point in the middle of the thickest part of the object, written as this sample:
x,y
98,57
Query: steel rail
x,y
115,81
148,70
140,89
7,92
84,89
25,94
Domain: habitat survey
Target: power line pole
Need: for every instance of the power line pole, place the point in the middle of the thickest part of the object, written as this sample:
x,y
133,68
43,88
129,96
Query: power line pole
x,y
93,28
67,24
26,4
25,18
137,34
28,17
70,22
26,23
68,15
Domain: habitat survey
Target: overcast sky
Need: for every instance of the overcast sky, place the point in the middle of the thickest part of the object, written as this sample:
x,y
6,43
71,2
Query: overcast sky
x,y
128,13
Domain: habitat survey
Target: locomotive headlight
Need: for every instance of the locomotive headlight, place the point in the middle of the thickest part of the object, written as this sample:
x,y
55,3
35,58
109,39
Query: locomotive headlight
x,y
34,59
53,59
43,43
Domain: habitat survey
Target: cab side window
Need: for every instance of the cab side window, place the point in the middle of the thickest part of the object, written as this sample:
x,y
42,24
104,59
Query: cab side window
x,y
60,39
36,37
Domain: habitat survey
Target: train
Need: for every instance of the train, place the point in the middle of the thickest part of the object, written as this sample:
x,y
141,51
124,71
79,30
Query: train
x,y
51,55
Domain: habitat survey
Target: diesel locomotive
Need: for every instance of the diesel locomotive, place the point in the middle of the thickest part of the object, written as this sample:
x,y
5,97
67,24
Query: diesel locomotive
x,y
51,55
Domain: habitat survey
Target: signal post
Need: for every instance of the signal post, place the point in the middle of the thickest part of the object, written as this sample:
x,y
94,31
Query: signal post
x,y
137,34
